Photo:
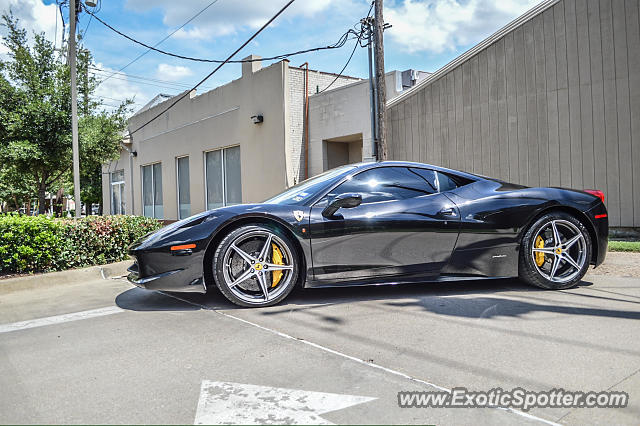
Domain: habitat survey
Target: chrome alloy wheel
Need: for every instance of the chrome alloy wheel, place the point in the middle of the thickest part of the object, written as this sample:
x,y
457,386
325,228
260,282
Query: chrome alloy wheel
x,y
559,251
257,266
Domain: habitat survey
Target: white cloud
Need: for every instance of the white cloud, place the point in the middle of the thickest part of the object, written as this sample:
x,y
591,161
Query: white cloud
x,y
172,72
34,16
445,25
226,16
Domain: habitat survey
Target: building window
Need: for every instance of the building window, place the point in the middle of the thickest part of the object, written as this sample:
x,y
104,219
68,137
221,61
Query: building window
x,y
117,192
152,191
232,176
223,177
184,195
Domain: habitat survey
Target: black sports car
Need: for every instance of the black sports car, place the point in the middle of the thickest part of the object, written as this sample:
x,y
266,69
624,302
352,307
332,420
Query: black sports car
x,y
376,223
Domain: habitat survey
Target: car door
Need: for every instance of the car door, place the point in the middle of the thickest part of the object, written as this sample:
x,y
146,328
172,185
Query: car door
x,y
404,227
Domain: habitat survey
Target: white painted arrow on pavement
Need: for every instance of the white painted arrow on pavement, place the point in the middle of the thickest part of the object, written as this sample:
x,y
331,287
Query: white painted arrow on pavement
x,y
237,403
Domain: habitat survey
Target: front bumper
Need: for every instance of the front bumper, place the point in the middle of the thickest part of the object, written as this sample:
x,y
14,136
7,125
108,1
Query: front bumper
x,y
174,280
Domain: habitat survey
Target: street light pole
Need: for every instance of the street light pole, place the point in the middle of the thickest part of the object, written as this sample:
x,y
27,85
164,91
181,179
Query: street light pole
x,y
74,108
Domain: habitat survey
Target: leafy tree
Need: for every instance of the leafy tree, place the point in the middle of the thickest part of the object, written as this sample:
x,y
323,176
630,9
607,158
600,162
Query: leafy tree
x,y
35,117
100,137
15,190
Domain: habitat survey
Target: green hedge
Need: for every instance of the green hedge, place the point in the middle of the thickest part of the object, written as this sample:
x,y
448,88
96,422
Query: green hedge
x,y
42,244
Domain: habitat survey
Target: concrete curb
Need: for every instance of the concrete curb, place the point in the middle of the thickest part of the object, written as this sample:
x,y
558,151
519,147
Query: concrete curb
x,y
72,276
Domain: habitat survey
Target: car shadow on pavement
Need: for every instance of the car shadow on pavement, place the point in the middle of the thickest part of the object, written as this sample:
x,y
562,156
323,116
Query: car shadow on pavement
x,y
417,291
491,307
137,299
470,299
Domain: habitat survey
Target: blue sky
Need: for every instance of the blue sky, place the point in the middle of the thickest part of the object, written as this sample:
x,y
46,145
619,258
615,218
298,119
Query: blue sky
x,y
426,34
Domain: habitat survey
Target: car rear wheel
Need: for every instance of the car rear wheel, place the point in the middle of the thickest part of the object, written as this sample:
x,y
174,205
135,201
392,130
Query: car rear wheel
x,y
255,265
555,252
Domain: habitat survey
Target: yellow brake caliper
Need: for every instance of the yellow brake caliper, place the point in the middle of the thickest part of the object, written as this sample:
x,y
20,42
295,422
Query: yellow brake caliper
x,y
276,258
539,256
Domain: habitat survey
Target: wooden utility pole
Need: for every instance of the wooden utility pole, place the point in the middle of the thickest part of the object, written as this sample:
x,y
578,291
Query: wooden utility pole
x,y
74,108
381,89
368,23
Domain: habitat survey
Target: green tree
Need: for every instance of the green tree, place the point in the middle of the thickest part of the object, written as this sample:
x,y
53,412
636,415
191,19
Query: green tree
x,y
100,137
15,190
35,116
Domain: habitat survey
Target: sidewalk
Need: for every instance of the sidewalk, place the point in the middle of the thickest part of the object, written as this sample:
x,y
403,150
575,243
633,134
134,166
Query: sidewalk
x,y
619,264
71,276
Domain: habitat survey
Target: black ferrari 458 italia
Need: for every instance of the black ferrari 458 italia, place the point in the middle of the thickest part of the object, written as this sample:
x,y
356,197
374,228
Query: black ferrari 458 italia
x,y
379,223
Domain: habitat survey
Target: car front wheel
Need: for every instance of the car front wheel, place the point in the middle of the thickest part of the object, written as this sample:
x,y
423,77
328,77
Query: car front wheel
x,y
555,252
255,265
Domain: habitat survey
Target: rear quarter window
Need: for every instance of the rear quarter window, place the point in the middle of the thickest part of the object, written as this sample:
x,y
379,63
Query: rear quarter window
x,y
440,180
446,182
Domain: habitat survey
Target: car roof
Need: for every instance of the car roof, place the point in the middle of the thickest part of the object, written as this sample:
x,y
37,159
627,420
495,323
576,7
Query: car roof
x,y
389,163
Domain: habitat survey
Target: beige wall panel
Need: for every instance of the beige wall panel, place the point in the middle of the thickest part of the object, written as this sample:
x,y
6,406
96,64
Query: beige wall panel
x,y
555,100
633,38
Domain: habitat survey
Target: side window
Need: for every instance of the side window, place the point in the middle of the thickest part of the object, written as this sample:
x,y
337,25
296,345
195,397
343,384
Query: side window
x,y
429,176
438,181
446,183
384,184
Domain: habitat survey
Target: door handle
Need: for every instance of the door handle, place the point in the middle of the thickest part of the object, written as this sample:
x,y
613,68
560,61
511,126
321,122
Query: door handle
x,y
450,211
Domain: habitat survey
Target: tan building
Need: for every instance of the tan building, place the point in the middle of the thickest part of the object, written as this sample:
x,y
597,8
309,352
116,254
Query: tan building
x,y
340,120
239,143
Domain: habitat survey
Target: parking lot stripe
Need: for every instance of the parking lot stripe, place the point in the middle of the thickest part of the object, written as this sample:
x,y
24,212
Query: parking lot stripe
x,y
358,360
57,319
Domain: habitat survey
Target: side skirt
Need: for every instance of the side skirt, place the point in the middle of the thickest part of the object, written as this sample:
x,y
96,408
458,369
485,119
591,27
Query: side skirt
x,y
373,282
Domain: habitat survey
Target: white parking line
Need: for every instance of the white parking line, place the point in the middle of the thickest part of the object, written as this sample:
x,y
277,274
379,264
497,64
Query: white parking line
x,y
57,319
358,360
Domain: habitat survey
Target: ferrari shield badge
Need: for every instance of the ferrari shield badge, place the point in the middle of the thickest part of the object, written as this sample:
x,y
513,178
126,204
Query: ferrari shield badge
x,y
298,214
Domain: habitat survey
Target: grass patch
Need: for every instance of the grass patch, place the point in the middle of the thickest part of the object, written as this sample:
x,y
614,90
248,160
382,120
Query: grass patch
x,y
629,246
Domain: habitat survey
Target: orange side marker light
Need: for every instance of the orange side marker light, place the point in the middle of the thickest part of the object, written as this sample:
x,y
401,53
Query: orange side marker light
x,y
183,247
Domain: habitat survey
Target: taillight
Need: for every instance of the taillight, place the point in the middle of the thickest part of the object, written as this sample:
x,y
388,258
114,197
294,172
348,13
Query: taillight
x,y
596,192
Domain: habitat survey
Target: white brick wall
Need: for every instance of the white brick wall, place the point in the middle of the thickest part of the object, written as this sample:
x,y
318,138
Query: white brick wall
x,y
317,82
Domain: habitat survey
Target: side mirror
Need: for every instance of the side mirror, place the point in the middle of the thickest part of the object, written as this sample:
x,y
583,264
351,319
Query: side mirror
x,y
342,201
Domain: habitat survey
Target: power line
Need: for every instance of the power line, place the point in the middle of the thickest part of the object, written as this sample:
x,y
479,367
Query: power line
x,y
350,56
176,88
137,77
161,41
149,83
84,33
164,86
114,99
341,42
185,94
109,105
343,68
86,28
117,73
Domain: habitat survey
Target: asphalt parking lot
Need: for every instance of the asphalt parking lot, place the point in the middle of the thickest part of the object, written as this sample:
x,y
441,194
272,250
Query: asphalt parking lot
x,y
106,352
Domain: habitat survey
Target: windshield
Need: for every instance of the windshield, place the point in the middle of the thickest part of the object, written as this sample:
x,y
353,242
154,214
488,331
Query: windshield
x,y
301,192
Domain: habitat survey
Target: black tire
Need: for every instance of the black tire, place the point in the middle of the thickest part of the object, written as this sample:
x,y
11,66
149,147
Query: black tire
x,y
243,296
532,273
